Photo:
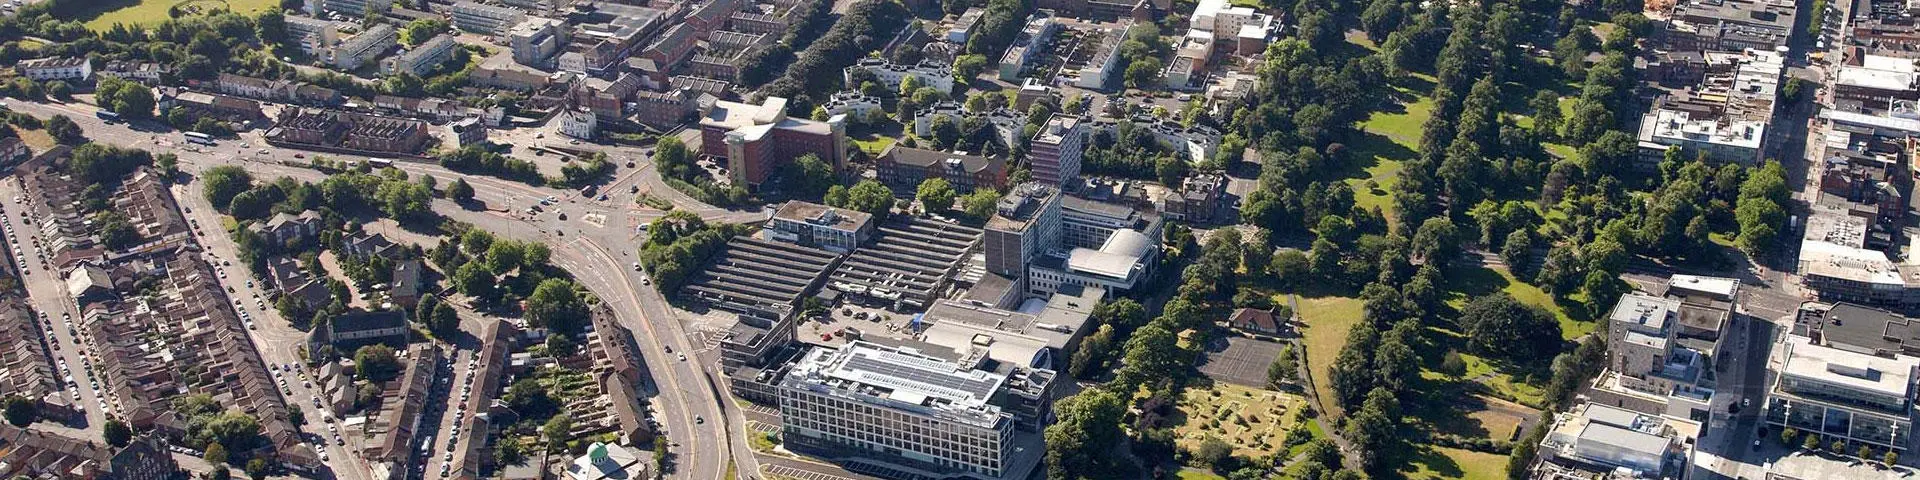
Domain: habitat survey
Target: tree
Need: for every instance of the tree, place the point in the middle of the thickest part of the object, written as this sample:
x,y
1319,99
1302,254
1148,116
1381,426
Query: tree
x,y
1213,452
1285,368
557,431
1437,241
421,30
1170,170
223,182
807,177
1152,353
63,130
21,411
257,469
1788,435
980,204
1452,365
116,233
557,306
376,363
216,454
117,433
1080,443
966,67
445,320
460,191
1889,458
1497,325
1142,72
935,194
1372,429
1811,442
867,196
220,472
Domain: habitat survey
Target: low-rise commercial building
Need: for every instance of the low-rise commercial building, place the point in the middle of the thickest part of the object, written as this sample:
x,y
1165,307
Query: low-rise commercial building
x,y
815,225
1601,438
1846,373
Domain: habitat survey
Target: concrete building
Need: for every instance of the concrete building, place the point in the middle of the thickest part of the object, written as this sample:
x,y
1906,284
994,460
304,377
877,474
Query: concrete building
x,y
1846,372
1033,39
423,58
910,262
1055,152
365,47
905,408
1607,439
353,9
1119,264
535,40
314,35
903,168
964,26
1104,65
853,104
1243,29
55,68
1025,223
815,225
756,140
485,19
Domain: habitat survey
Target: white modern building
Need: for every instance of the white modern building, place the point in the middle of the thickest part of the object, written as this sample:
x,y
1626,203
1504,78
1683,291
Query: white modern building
x,y
926,74
423,58
1609,439
903,407
56,68
850,102
485,19
1104,65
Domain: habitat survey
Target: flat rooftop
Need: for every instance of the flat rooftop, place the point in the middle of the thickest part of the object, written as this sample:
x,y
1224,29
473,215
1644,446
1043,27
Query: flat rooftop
x,y
1647,310
1858,371
901,377
822,215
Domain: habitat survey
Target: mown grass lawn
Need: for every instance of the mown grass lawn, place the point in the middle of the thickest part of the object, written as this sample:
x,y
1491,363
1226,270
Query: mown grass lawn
x,y
1403,127
873,144
151,12
1328,320
1454,463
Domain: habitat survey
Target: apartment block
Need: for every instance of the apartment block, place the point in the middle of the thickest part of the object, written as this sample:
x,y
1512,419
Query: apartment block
x,y
314,35
889,74
1056,151
423,58
1025,223
1033,39
355,9
365,47
485,19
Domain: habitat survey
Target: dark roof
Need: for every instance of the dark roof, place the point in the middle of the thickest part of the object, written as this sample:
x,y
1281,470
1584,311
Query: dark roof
x,y
931,158
1869,327
364,321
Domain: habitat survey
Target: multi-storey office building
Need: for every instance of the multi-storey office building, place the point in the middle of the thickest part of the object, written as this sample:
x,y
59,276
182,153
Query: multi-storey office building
x,y
901,406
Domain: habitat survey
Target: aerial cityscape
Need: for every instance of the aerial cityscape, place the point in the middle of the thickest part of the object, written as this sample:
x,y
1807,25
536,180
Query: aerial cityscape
x,y
959,239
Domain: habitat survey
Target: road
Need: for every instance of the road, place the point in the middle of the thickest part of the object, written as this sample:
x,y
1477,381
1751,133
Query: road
x,y
596,243
48,295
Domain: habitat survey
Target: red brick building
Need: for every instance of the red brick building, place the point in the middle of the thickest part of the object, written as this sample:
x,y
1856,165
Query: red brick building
x,y
757,139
